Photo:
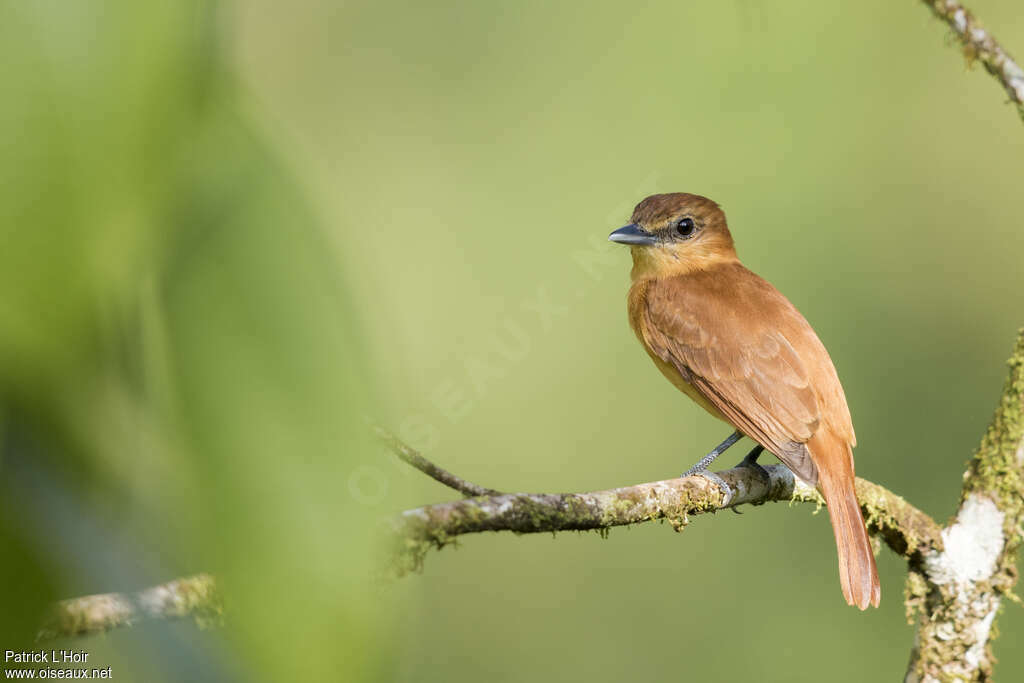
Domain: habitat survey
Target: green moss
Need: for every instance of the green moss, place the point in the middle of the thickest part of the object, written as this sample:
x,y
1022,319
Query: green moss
x,y
617,510
904,528
995,469
915,591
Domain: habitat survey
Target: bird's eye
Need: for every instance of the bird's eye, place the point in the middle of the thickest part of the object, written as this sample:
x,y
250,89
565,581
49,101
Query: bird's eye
x,y
686,227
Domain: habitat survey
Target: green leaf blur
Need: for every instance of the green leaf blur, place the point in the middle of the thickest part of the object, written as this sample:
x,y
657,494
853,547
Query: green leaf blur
x,y
183,381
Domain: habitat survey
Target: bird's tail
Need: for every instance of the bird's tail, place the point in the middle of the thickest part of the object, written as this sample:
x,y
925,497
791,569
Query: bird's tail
x,y
858,574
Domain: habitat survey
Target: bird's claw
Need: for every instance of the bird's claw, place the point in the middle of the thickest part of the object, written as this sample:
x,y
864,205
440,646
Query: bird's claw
x,y
720,483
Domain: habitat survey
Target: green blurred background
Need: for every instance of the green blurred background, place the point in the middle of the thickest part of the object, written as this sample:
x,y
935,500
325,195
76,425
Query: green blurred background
x,y
227,232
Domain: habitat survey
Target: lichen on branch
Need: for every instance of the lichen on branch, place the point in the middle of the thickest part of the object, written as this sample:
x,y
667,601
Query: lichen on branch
x,y
957,592
980,45
904,528
192,596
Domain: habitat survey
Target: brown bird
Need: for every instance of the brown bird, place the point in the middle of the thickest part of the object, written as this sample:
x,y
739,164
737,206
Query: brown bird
x,y
731,342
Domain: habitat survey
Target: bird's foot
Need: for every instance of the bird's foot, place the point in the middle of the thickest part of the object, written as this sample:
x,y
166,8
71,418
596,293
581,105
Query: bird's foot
x,y
719,482
701,468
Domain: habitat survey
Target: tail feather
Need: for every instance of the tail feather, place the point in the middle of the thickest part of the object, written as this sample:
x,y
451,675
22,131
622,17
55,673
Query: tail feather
x,y
858,574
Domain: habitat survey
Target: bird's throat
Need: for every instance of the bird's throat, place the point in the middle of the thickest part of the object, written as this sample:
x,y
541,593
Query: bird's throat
x,y
666,261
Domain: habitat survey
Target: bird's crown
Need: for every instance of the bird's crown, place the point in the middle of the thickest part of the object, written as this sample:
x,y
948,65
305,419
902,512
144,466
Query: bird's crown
x,y
658,210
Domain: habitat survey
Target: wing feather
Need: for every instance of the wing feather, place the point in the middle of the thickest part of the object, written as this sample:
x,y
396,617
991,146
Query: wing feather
x,y
751,354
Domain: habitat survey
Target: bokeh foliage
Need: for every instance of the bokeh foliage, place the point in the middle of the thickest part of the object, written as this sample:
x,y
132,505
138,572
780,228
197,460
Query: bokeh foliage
x,y
183,384
228,231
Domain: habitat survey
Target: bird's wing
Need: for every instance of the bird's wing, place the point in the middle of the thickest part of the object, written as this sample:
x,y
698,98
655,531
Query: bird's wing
x,y
746,350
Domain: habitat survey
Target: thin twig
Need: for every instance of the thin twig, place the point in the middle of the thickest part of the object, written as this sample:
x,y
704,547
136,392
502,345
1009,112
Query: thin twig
x,y
414,458
981,45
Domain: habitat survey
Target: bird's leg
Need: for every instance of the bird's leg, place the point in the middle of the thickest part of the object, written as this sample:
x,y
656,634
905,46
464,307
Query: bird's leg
x,y
751,461
751,457
701,468
703,463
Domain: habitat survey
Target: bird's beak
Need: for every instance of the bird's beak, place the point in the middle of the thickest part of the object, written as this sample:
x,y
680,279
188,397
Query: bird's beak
x,y
632,234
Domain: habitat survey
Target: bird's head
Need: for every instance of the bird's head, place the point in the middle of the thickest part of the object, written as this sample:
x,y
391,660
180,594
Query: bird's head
x,y
676,233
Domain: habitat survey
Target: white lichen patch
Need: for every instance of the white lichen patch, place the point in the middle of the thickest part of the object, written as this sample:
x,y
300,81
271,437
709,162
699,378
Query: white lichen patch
x,y
972,610
1014,79
960,20
976,653
972,544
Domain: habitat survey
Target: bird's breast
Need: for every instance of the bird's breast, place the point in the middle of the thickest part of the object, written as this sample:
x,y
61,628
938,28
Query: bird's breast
x,y
637,306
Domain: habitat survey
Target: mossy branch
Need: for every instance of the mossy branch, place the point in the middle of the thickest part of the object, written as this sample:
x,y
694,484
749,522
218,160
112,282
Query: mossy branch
x,y
192,596
980,45
904,528
957,592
